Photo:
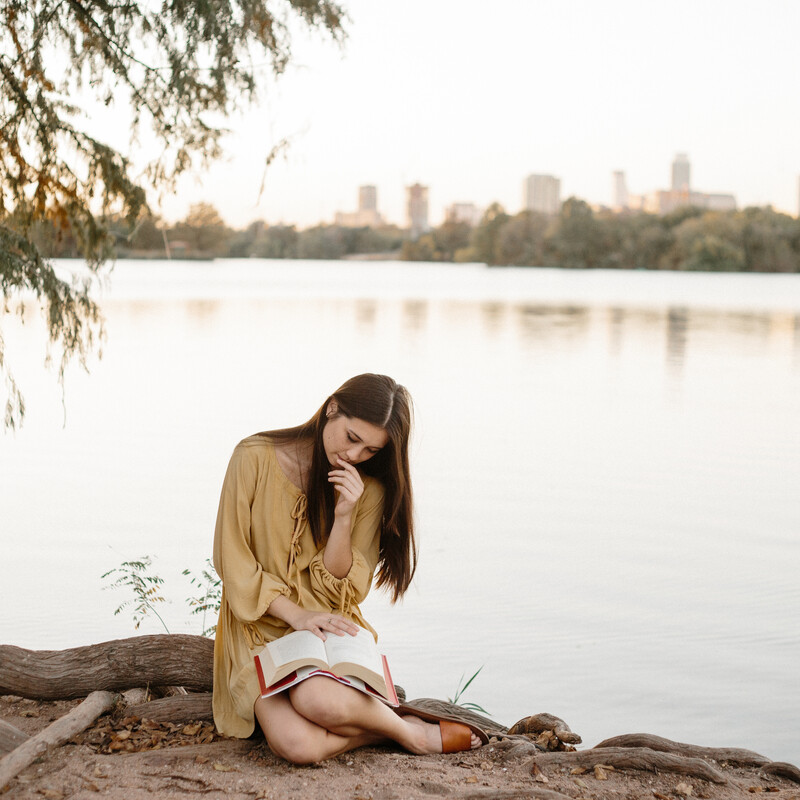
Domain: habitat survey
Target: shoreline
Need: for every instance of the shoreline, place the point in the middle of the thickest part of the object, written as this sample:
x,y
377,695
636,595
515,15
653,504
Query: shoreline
x,y
168,759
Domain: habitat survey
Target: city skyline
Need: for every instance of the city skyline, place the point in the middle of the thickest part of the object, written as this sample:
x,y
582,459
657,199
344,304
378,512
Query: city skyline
x,y
614,86
540,193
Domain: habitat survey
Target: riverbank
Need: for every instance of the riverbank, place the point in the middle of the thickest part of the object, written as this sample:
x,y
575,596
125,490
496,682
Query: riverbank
x,y
180,760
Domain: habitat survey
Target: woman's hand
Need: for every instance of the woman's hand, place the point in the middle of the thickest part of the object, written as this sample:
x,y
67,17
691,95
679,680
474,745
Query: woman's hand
x,y
320,622
349,487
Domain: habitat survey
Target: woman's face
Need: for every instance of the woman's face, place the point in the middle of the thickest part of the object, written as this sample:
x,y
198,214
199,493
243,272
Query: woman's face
x,y
351,439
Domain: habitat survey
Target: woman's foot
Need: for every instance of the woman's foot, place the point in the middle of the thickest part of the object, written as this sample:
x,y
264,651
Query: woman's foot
x,y
426,737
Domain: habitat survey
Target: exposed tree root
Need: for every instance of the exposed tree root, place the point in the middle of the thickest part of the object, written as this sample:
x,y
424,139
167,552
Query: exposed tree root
x,y
540,723
641,758
58,732
783,770
433,706
745,758
10,737
163,660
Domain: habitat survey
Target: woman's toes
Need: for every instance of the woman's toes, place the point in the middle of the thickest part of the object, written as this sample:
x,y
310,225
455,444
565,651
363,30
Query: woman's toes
x,y
475,742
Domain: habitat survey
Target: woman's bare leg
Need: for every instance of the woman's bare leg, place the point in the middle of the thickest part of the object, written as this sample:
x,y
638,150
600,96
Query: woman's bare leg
x,y
295,738
350,713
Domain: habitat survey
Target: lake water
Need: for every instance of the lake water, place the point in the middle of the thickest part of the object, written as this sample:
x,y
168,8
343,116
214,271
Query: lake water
x,y
606,468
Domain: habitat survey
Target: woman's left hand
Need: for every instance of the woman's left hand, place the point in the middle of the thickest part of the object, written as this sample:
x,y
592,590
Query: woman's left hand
x,y
349,487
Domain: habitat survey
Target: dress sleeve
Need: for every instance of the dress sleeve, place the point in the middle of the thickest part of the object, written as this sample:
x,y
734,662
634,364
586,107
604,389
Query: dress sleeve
x,y
344,592
248,588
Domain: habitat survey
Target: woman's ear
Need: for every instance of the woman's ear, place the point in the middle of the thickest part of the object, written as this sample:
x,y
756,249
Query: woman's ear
x,y
332,410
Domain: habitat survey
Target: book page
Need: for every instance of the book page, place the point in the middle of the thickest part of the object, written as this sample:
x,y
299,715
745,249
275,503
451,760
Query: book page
x,y
358,649
297,646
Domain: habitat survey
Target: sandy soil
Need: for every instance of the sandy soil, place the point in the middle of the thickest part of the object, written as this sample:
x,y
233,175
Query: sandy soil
x,y
110,760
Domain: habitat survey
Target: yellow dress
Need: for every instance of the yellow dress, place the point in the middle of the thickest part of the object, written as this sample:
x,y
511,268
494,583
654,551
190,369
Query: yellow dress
x,y
263,548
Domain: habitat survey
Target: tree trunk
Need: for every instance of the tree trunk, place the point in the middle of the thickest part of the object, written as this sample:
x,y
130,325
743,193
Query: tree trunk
x,y
175,660
58,732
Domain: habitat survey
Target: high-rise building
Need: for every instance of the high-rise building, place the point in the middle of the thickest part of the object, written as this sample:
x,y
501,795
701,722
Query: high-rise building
x,y
542,193
681,174
619,191
367,198
417,210
367,215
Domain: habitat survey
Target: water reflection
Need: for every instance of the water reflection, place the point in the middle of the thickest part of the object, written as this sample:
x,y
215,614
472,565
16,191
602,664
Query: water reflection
x,y
415,315
796,348
539,323
493,316
552,457
365,313
677,328
202,312
616,322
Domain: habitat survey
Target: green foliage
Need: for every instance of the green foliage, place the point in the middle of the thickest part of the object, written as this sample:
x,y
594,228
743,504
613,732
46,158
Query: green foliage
x,y
179,67
753,240
203,232
278,241
145,587
578,239
211,598
456,698
441,244
421,249
523,240
486,236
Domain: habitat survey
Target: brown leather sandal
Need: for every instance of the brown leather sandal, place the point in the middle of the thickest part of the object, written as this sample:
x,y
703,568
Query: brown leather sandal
x,y
456,734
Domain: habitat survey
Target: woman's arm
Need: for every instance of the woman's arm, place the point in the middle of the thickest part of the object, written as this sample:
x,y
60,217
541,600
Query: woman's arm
x,y
361,549
338,556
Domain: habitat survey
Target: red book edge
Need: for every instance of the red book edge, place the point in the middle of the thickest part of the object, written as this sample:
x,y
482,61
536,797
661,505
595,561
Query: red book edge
x,y
387,676
261,682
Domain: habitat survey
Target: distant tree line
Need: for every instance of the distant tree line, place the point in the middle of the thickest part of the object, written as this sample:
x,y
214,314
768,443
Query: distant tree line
x,y
751,240
204,234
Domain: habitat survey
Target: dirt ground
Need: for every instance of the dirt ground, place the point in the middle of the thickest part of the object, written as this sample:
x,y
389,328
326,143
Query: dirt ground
x,y
129,759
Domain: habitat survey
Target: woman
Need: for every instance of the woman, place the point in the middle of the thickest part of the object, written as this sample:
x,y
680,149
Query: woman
x,y
300,534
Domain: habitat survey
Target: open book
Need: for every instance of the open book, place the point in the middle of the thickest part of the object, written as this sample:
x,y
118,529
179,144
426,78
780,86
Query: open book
x,y
351,660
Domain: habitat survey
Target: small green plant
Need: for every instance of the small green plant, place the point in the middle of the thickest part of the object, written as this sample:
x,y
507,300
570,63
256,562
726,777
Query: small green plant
x,y
211,585
135,575
456,699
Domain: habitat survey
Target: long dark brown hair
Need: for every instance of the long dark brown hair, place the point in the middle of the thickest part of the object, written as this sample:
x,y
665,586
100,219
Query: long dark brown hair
x,y
382,402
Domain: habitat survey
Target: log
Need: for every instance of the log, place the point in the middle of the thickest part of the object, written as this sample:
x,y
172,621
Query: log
x,y
184,708
732,755
58,732
160,660
634,758
10,737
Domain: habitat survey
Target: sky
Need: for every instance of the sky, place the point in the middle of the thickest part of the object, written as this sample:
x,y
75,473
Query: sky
x,y
470,97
